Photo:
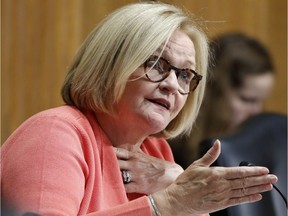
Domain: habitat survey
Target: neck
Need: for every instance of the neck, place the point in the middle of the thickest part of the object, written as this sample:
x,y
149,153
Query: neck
x,y
118,132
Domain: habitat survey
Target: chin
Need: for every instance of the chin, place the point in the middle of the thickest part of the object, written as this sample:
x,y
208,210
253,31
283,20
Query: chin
x,y
153,121
157,126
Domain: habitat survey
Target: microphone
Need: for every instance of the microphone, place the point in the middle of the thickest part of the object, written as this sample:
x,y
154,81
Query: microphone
x,y
245,163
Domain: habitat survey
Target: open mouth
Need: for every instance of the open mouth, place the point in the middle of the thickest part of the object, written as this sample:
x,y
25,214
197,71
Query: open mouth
x,y
162,103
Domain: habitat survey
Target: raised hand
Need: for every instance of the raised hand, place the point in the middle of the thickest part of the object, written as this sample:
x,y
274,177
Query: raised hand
x,y
202,189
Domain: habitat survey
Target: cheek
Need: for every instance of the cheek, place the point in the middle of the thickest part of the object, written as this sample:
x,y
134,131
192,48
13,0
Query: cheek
x,y
179,104
135,89
134,95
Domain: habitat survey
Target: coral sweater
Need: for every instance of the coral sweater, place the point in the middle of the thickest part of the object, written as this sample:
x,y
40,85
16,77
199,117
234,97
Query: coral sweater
x,y
60,162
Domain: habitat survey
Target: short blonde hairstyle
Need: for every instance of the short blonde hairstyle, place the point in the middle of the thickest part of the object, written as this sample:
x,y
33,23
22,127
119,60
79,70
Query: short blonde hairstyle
x,y
118,46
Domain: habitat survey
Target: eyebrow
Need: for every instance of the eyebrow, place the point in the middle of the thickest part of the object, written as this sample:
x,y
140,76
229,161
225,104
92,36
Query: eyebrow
x,y
187,62
191,64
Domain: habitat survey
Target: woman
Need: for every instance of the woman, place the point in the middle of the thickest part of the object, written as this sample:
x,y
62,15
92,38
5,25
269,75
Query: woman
x,y
132,83
241,78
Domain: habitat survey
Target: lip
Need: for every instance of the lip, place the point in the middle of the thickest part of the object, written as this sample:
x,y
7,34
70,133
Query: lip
x,y
161,102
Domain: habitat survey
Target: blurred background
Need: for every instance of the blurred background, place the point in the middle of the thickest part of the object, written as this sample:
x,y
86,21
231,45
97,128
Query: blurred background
x,y
40,38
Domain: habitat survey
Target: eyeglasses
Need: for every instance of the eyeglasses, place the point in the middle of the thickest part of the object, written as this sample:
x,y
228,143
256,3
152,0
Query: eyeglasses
x,y
158,69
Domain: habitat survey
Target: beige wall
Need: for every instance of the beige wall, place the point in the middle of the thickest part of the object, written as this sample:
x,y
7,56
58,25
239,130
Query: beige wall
x,y
40,37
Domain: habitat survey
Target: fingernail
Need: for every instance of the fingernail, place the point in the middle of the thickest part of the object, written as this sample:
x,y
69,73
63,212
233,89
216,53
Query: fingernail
x,y
258,197
273,178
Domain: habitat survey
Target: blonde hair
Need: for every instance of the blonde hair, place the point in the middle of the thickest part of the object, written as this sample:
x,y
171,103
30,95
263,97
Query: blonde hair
x,y
118,46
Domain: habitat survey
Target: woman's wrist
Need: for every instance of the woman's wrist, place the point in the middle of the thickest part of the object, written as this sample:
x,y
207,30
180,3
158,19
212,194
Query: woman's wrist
x,y
161,204
155,210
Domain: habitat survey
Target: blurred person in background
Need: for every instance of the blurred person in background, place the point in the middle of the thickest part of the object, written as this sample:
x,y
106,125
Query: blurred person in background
x,y
241,78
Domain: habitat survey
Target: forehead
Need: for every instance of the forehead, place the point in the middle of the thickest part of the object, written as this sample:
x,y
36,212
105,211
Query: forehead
x,y
180,49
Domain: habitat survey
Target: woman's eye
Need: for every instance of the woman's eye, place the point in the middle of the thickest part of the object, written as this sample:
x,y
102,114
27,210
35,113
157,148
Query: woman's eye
x,y
157,66
185,76
150,63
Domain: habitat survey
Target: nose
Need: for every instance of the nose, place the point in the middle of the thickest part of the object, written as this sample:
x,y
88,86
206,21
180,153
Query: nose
x,y
170,84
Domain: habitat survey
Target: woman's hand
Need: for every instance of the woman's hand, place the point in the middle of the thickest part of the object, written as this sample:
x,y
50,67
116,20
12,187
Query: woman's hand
x,y
148,174
203,189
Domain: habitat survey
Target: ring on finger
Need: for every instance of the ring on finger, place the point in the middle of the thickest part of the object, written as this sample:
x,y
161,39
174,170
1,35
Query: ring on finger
x,y
126,176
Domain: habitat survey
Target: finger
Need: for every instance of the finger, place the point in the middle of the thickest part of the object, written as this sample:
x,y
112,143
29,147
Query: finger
x,y
124,165
211,155
122,153
244,172
244,199
251,190
253,181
